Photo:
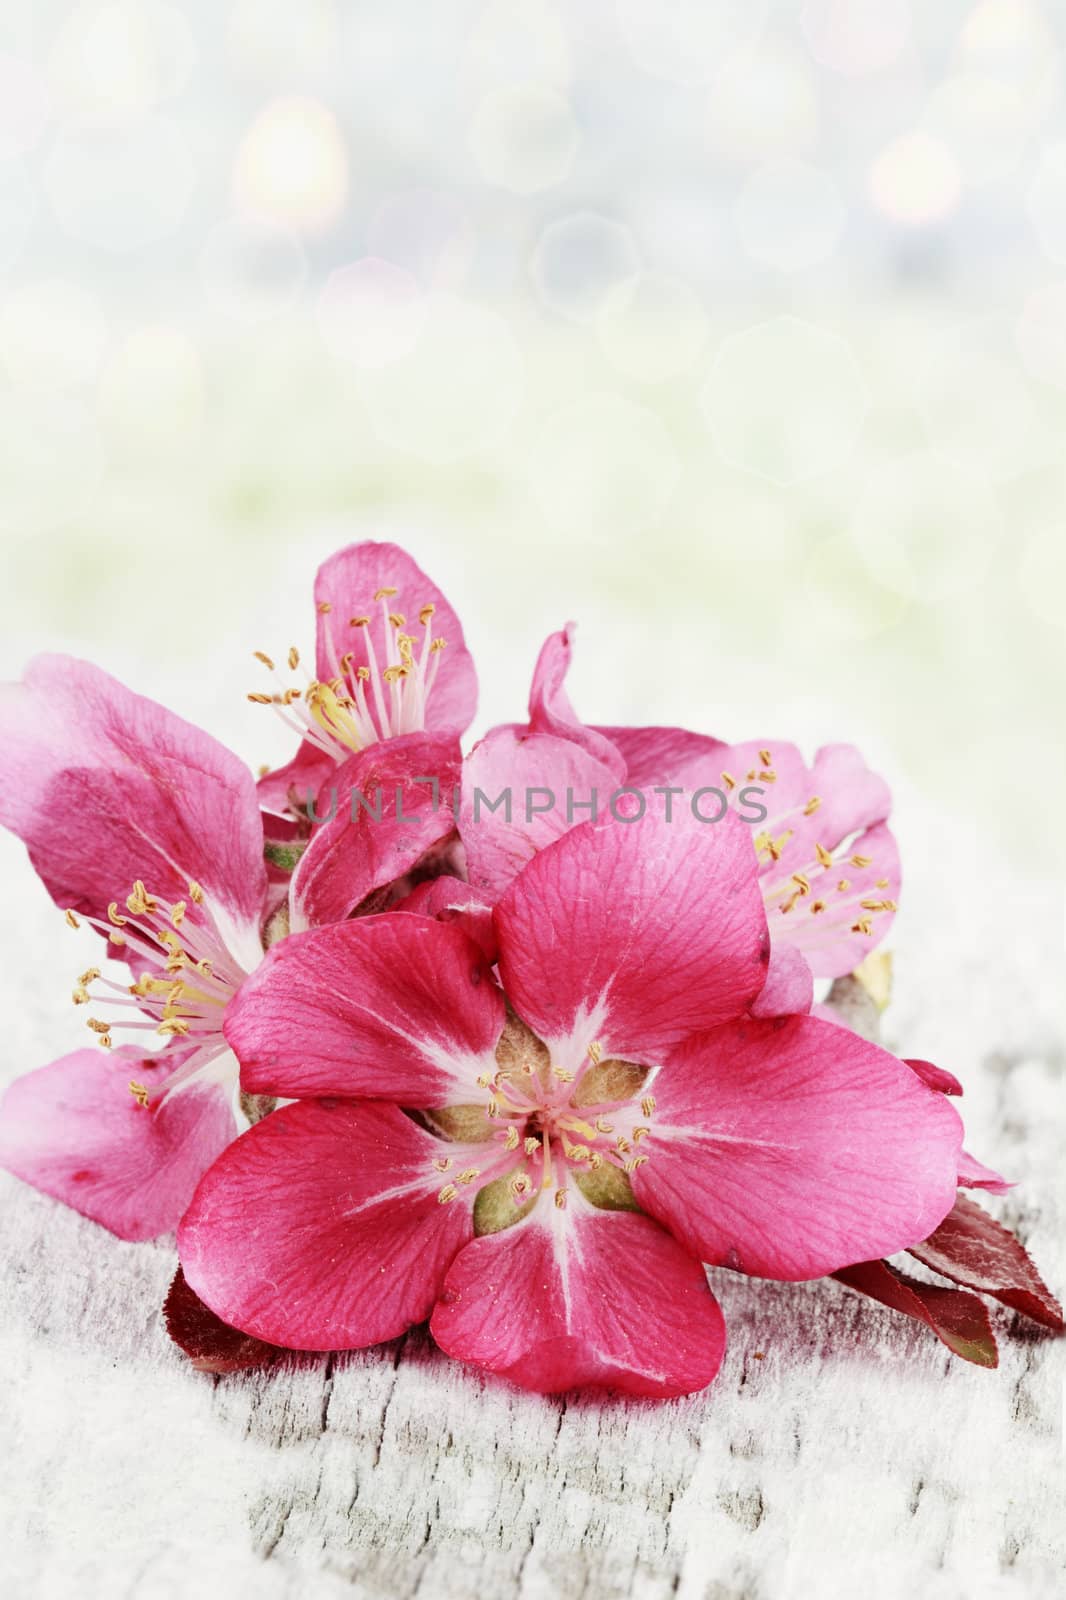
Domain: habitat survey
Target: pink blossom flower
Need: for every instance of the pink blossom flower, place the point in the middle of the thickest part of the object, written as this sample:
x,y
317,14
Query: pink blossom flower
x,y
147,829
541,1165
390,660
828,864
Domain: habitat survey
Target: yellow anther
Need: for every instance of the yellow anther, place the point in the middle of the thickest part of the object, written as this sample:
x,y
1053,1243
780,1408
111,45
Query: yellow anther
x,y
861,861
114,937
363,673
803,883
767,775
493,1107
425,612
862,926
762,842
633,1163
844,885
265,659
882,883
595,1052
394,674
786,905
595,1160
196,894
113,916
143,901
97,1026
468,1174
449,1192
647,1105
439,644
603,1126
324,607
177,913
765,757
71,919
80,996
90,975
563,1074
531,1145
483,1080
640,1133
823,855
560,1199
260,699
511,1140
139,1093
386,593
293,658
358,622
443,1163
397,619
729,780
577,1152
520,1184
812,805
173,1026
818,905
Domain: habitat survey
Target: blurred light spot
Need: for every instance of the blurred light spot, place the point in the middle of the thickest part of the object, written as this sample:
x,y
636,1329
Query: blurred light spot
x,y
984,120
119,189
17,205
455,391
51,461
278,37
1046,202
1042,575
784,400
52,335
941,523
113,64
651,327
689,41
602,468
765,105
152,391
841,598
23,106
915,180
790,215
518,42
252,270
976,405
427,231
579,260
370,313
856,36
291,166
524,139
1042,334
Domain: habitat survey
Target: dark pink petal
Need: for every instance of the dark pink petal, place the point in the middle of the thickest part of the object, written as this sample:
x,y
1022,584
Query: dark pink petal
x,y
211,1344
280,792
656,755
353,861
451,900
634,935
971,1248
73,1130
104,787
345,587
973,1174
935,1077
789,984
788,1149
391,1007
320,1228
506,778
582,1297
959,1320
550,710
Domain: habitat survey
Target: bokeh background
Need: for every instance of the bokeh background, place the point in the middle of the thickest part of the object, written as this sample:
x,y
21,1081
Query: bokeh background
x,y
735,329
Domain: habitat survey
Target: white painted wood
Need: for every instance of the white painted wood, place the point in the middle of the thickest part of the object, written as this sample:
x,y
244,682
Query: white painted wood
x,y
841,1451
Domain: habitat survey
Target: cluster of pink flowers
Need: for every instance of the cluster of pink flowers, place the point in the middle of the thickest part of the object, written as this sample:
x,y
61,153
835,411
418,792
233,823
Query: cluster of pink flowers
x,y
523,1074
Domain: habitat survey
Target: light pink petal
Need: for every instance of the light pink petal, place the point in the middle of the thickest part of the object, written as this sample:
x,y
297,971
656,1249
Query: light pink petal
x,y
391,1007
848,908
973,1174
320,1228
73,1130
550,710
345,587
582,1297
104,787
853,798
355,861
506,779
789,984
449,899
634,935
788,1149
657,755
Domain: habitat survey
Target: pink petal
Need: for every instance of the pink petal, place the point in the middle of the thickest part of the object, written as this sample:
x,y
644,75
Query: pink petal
x,y
354,861
959,1320
634,935
935,1077
973,1174
73,1130
582,1297
320,1228
656,755
280,791
789,984
391,1007
104,787
848,923
788,1149
347,583
550,710
451,900
971,1248
528,771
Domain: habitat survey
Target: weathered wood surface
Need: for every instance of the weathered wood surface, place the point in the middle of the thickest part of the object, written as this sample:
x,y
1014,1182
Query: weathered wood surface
x,y
841,1451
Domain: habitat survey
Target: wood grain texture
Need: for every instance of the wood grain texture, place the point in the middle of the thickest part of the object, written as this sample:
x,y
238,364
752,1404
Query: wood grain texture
x,y
841,1451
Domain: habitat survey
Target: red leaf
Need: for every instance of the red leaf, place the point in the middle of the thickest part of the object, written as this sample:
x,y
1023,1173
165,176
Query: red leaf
x,y
971,1248
958,1319
211,1344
